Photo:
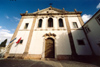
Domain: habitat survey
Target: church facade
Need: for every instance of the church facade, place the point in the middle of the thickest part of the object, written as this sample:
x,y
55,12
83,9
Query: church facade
x,y
50,33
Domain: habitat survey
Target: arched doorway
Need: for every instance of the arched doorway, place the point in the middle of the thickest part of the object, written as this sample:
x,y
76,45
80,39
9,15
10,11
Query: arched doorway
x,y
49,48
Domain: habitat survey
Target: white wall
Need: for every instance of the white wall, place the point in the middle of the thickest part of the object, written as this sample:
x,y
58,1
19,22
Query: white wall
x,y
81,49
19,48
26,20
62,45
72,19
62,41
45,22
79,34
94,35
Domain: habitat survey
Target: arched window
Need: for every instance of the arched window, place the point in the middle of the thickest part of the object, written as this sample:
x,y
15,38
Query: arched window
x,y
61,23
75,25
50,22
40,23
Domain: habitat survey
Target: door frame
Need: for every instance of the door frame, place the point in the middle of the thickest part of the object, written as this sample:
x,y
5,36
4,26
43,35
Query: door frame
x,y
50,48
43,51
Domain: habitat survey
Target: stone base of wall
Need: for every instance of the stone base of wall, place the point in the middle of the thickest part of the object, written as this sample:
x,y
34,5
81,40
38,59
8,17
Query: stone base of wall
x,y
59,57
63,57
33,56
86,57
19,56
29,56
79,57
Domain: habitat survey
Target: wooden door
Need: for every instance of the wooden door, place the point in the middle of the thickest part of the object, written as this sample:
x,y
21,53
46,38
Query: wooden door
x,y
49,48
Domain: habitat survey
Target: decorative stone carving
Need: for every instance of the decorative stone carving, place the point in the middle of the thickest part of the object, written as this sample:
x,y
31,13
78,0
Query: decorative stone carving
x,y
47,35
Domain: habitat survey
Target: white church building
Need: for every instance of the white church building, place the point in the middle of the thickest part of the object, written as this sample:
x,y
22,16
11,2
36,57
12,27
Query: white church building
x,y
50,33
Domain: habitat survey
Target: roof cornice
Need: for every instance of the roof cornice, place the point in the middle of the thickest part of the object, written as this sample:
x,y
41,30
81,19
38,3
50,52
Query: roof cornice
x,y
36,14
92,17
61,12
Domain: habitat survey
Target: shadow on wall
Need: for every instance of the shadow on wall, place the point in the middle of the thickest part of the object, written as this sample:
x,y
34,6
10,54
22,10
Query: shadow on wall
x,y
63,43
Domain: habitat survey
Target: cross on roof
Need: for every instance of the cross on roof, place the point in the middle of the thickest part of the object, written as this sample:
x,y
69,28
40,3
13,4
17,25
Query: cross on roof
x,y
50,4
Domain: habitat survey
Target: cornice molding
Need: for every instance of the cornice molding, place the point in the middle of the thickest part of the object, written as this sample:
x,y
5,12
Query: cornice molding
x,y
60,12
32,14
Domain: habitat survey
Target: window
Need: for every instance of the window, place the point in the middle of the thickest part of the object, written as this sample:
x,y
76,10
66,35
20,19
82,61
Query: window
x,y
98,18
40,23
75,25
26,25
61,23
21,41
81,42
87,29
50,22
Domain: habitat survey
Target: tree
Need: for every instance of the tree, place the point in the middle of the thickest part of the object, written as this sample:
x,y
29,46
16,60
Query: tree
x,y
3,44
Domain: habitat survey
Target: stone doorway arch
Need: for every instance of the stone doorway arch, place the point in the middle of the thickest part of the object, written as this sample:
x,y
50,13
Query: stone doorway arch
x,y
49,46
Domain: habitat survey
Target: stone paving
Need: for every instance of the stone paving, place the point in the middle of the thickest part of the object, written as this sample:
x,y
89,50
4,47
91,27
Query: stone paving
x,y
42,63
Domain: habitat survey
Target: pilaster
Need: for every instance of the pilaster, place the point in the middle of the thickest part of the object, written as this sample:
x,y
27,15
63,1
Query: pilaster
x,y
80,19
14,36
70,38
25,54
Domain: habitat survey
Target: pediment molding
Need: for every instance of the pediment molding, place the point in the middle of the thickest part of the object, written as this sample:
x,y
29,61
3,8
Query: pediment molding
x,y
50,9
54,11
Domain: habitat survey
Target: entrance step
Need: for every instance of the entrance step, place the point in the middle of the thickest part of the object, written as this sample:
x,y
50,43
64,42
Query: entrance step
x,y
49,59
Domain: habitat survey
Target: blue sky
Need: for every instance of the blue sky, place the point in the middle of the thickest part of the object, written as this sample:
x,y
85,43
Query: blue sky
x,y
10,11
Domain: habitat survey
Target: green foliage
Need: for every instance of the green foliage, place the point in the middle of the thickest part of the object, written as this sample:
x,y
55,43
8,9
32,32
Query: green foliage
x,y
3,44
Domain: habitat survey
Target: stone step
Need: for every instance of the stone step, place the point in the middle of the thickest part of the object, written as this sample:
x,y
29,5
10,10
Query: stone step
x,y
49,59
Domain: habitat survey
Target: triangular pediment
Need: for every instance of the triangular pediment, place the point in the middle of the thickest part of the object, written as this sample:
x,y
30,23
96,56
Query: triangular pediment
x,y
50,10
